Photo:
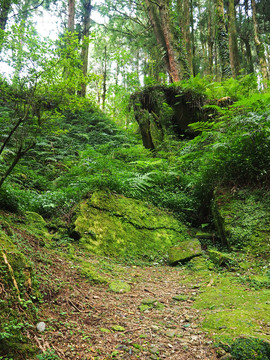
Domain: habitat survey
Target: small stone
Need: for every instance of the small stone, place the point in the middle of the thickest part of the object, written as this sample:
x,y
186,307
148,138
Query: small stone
x,y
170,333
154,350
41,326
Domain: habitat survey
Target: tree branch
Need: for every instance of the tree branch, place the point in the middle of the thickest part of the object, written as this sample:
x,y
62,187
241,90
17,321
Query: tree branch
x,y
30,9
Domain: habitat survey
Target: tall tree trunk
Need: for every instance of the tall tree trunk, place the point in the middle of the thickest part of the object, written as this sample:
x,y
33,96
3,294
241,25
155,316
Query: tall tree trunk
x,y
87,8
193,48
71,15
222,41
234,53
183,9
250,67
165,32
175,71
258,43
155,22
203,40
104,78
210,36
246,37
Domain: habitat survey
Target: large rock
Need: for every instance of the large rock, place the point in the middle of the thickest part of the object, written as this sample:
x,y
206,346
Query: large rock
x,y
163,110
184,251
242,219
114,225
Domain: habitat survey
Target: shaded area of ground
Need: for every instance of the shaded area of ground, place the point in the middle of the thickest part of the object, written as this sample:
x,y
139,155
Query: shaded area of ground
x,y
86,321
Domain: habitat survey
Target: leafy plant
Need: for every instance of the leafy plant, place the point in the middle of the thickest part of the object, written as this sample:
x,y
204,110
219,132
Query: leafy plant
x,y
48,355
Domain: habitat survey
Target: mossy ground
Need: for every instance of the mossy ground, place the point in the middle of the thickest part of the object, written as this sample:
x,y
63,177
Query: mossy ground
x,y
233,304
228,304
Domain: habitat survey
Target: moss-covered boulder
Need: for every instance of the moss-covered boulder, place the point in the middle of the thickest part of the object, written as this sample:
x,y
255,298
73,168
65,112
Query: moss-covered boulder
x,y
221,259
114,225
184,251
242,219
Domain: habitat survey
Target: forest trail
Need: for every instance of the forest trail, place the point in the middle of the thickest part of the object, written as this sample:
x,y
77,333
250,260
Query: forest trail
x,y
154,320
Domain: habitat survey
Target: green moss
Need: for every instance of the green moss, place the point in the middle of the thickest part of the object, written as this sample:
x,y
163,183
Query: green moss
x,y
135,212
147,304
125,228
89,271
184,251
119,286
20,265
118,328
180,297
37,226
104,330
221,259
243,220
232,310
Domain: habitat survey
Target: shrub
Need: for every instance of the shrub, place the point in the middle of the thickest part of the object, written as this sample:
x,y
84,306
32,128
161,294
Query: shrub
x,y
250,348
8,199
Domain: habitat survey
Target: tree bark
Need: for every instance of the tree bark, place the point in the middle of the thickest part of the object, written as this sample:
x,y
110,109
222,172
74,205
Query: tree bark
x,y
104,79
222,41
183,9
258,43
210,36
174,66
233,46
167,35
71,15
154,20
87,8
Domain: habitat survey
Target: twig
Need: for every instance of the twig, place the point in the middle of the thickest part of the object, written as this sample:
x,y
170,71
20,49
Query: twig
x,y
72,304
39,344
2,288
149,291
132,330
58,351
12,275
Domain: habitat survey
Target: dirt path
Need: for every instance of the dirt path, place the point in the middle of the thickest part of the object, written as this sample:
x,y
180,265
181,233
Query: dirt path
x,y
85,321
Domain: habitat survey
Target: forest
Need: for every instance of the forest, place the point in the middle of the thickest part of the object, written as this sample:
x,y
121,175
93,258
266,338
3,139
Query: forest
x,y
134,179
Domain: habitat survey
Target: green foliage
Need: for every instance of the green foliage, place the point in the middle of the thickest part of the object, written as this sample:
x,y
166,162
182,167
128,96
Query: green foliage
x,y
48,355
249,348
8,200
232,152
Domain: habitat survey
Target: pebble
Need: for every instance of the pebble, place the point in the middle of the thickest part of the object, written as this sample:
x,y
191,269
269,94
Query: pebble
x,y
154,350
41,326
170,333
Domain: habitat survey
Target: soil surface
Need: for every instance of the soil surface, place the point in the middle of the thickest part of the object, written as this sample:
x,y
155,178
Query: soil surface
x,y
86,321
